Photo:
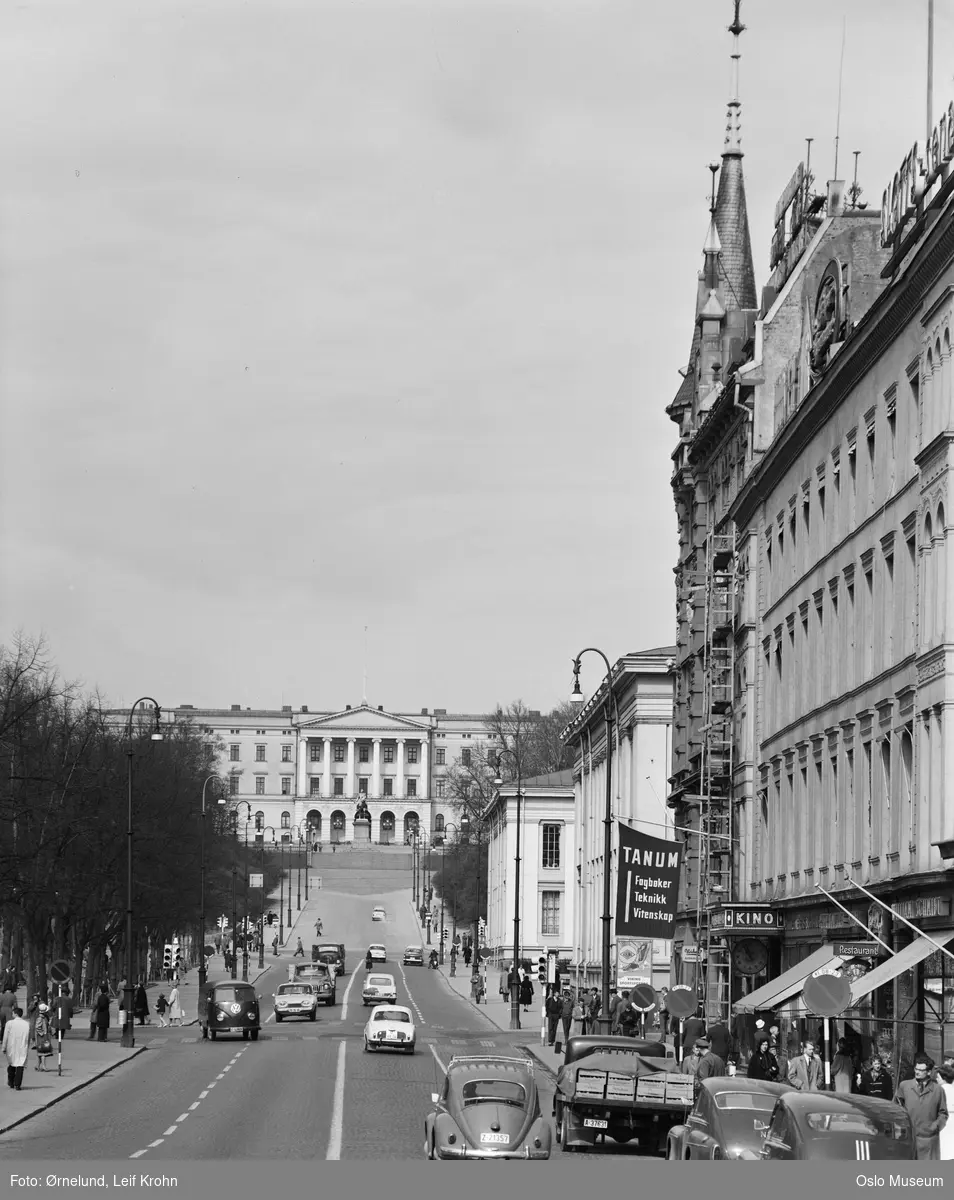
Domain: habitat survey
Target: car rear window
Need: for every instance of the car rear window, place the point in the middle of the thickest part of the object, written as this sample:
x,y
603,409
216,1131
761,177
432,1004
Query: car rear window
x,y
229,995
841,1123
500,1091
380,981
727,1100
312,970
391,1014
295,989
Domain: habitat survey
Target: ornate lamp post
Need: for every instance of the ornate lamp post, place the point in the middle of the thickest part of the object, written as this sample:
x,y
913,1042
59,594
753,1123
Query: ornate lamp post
x,y
609,704
304,845
203,974
453,957
261,919
248,820
128,1037
514,978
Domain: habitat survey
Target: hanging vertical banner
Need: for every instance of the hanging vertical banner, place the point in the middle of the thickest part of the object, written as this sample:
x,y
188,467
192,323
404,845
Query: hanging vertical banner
x,y
647,885
634,961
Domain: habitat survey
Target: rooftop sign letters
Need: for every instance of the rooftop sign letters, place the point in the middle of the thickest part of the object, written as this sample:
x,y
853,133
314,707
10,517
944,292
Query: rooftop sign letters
x,y
747,917
915,177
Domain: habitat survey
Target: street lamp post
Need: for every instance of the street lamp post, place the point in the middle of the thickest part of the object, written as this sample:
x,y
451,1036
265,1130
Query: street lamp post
x,y
128,1036
289,878
203,974
234,929
261,918
298,857
453,957
514,978
248,820
609,704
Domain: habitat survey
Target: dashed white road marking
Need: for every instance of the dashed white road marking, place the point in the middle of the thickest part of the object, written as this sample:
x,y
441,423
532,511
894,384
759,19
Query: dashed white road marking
x,y
410,996
344,999
337,1111
157,1142
181,1117
202,1095
194,1106
437,1058
138,1153
171,1130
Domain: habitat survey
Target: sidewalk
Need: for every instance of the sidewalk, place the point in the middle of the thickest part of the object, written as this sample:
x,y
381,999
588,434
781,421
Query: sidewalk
x,y
84,1061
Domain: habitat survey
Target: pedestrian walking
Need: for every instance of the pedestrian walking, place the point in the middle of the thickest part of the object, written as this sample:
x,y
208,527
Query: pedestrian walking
x,y
926,1105
627,1018
566,1014
141,1004
875,1080
468,955
275,944
101,1013
763,1064
526,993
693,1027
299,950
553,1009
8,1002
16,1046
175,1008
711,1065
504,985
593,1009
842,1068
161,1005
62,1020
946,1075
42,1037
719,1037
577,1018
318,927
804,1071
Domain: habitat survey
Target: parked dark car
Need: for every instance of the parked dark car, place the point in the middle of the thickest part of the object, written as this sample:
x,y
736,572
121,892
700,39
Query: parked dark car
x,y
489,1108
826,1125
728,1120
230,1007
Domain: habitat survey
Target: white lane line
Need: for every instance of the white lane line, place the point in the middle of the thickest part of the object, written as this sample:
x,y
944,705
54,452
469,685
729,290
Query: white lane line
x,y
437,1059
226,1069
220,1076
138,1153
337,1111
410,996
171,1130
181,1117
210,1085
157,1142
344,999
193,1107
202,1095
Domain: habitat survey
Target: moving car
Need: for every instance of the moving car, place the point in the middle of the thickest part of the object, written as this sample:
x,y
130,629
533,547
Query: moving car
x,y
827,1125
296,1000
230,1007
378,913
413,956
378,988
328,952
390,1025
727,1121
489,1108
319,975
378,953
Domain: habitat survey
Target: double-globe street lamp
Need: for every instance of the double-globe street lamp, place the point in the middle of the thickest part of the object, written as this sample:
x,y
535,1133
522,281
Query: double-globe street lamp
x,y
453,956
514,751
280,841
304,845
248,821
609,705
203,974
128,1038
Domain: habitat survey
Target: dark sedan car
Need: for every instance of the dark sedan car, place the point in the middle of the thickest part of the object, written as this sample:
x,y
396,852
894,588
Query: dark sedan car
x,y
824,1125
489,1108
727,1121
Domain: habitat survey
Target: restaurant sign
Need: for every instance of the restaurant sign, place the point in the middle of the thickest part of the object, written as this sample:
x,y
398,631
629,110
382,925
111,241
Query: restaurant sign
x,y
857,949
915,177
744,918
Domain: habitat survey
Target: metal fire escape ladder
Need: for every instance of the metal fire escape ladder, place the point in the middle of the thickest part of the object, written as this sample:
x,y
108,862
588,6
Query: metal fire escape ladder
x,y
715,817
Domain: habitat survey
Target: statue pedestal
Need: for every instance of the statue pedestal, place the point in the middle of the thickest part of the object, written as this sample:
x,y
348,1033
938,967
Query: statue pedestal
x,y
362,832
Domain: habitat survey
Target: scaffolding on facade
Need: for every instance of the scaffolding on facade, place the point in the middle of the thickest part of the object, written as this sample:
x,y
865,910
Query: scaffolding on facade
x,y
715,854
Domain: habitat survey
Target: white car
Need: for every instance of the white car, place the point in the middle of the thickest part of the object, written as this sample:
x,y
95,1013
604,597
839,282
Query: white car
x,y
378,988
378,953
296,1000
378,913
391,1026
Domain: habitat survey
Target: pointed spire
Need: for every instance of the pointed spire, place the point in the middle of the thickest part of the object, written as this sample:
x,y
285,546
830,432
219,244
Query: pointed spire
x,y
731,215
733,132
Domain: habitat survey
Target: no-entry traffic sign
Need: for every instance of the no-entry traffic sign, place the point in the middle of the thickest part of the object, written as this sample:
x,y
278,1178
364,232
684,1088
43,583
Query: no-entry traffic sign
x,y
826,995
60,971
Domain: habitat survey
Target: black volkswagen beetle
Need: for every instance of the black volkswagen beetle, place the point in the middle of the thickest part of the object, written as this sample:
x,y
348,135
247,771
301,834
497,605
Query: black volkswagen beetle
x,y
489,1108
230,1007
826,1125
727,1121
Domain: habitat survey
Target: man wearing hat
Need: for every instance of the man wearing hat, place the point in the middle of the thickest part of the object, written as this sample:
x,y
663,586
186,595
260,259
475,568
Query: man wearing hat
x,y
42,1040
710,1064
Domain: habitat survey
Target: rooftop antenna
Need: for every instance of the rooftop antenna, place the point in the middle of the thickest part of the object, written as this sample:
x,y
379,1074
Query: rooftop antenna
x,y
854,192
930,66
808,161
841,72
364,695
733,137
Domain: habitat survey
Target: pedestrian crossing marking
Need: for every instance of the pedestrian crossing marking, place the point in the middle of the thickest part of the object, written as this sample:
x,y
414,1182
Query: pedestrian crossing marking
x,y
156,1042
192,1039
491,1045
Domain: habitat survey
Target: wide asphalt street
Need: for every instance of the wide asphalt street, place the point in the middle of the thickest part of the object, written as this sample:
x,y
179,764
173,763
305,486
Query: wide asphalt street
x,y
303,1090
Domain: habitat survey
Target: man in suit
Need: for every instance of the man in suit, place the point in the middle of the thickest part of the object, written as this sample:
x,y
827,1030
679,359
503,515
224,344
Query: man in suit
x,y
804,1072
693,1027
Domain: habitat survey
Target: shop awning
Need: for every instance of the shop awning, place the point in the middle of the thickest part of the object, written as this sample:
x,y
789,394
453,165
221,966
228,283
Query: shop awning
x,y
769,995
912,954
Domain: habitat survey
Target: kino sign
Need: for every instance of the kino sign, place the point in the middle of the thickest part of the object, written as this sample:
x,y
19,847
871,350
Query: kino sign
x,y
767,920
915,178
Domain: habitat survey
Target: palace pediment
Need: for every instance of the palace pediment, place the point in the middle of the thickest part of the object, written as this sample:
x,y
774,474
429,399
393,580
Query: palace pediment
x,y
364,719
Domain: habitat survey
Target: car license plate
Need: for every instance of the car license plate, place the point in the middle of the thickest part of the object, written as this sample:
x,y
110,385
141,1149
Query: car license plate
x,y
496,1139
595,1123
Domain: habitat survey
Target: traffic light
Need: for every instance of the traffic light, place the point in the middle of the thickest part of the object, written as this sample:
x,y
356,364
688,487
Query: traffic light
x,y
542,969
444,935
176,957
167,957
271,918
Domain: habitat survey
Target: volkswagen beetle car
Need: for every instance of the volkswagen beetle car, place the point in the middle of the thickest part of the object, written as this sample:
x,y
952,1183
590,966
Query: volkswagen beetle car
x,y
378,953
826,1125
390,1027
489,1108
414,956
378,988
230,1007
727,1121
296,1000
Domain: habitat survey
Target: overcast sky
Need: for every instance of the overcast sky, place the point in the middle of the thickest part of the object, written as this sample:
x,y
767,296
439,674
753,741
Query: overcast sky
x,y
325,314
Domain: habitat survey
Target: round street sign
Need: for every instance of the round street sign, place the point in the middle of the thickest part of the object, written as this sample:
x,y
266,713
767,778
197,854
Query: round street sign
x,y
643,997
483,953
60,971
826,995
208,951
681,1001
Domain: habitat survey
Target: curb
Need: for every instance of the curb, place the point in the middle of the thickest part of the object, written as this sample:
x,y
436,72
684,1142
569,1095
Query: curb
x,y
545,1067
62,1096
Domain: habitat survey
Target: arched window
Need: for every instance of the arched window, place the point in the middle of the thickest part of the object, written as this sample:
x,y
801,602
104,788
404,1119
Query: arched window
x,y
259,822
439,823
286,820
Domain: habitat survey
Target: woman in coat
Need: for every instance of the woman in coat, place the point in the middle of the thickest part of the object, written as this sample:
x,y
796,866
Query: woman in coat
x,y
576,1018
101,1011
526,993
175,1009
42,1036
842,1068
763,1064
141,1004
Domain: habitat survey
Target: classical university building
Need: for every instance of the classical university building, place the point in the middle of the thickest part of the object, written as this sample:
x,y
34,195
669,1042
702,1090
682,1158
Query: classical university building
x,y
298,769
812,750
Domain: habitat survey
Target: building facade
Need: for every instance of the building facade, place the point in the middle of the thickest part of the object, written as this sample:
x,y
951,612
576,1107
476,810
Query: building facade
x,y
640,753
302,771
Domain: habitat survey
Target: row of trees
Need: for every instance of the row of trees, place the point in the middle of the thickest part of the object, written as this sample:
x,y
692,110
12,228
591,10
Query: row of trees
x,y
64,801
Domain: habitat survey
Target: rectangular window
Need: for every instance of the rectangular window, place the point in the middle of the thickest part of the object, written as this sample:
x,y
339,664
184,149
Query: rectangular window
x,y
550,914
388,787
314,751
314,787
286,753
259,785
440,756
286,824
362,787
233,753
389,754
260,752
339,753
551,847
465,758
439,783
412,754
339,786
233,785
412,787
363,753
286,785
